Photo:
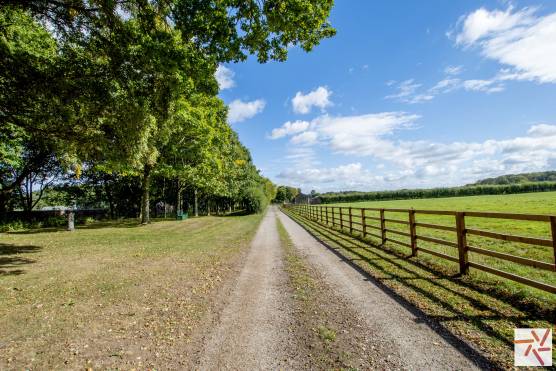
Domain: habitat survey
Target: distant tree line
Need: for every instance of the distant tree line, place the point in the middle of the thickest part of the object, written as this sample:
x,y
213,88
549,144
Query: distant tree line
x,y
471,190
285,194
545,176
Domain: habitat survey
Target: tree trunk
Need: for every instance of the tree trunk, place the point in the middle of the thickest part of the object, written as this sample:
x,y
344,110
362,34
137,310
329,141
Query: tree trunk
x,y
164,195
145,212
3,206
208,206
178,197
196,202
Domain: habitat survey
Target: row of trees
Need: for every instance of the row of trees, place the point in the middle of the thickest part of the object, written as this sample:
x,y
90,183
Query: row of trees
x,y
543,176
121,94
286,194
405,194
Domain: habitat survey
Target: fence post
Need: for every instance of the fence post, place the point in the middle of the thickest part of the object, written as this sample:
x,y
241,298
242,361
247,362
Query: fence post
x,y
363,223
326,210
341,220
413,232
333,219
553,230
350,221
382,226
462,243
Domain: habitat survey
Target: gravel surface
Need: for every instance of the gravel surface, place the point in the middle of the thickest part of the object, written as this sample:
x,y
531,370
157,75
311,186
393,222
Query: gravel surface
x,y
408,342
253,331
260,327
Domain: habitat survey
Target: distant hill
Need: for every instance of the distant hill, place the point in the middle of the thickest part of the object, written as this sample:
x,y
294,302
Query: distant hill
x,y
545,176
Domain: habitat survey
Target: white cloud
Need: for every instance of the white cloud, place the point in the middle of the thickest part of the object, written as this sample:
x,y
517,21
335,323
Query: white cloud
x,y
521,40
542,130
487,86
305,138
289,128
414,163
405,88
484,23
453,70
225,77
446,85
303,103
344,173
410,92
241,111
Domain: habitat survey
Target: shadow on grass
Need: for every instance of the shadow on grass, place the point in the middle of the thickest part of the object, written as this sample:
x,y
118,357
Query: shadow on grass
x,y
426,285
10,262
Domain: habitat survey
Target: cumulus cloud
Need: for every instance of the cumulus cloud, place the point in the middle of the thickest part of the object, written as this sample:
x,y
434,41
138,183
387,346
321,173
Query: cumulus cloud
x,y
289,128
303,103
542,130
348,174
225,77
521,40
411,163
241,111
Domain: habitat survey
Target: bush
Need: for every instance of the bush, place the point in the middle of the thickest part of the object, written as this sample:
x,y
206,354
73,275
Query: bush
x,y
16,225
254,200
54,221
407,194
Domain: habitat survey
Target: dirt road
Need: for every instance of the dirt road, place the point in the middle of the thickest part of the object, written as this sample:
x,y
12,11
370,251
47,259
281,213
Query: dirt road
x,y
253,330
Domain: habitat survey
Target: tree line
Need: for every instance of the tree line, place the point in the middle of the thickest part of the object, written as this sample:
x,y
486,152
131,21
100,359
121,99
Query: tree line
x,y
472,190
114,103
544,176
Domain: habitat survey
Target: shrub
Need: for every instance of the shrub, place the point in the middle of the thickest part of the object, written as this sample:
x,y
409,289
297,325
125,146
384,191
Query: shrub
x,y
16,225
254,200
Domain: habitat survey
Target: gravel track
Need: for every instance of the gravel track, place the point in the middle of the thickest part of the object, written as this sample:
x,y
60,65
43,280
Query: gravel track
x,y
253,329
256,329
410,341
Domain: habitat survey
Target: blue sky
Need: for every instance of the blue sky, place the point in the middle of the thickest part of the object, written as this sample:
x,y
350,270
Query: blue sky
x,y
407,94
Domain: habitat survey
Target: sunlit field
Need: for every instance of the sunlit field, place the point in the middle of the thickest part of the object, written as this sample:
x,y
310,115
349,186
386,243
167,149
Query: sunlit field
x,y
530,203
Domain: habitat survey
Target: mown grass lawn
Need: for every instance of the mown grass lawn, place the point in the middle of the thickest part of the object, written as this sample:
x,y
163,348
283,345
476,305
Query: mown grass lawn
x,y
112,294
529,203
482,312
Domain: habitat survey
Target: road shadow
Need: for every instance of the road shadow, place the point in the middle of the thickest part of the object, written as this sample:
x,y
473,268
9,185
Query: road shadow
x,y
336,242
11,262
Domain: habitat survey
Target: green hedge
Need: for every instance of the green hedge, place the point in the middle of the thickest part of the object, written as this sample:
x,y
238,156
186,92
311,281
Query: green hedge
x,y
405,194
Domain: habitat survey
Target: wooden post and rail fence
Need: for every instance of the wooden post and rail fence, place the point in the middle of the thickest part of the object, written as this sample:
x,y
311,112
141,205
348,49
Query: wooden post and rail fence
x,y
333,216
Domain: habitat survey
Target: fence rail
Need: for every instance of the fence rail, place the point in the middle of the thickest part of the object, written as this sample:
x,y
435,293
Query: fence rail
x,y
343,218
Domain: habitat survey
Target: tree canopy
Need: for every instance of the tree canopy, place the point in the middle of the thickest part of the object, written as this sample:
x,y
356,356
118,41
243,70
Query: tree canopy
x,y
127,89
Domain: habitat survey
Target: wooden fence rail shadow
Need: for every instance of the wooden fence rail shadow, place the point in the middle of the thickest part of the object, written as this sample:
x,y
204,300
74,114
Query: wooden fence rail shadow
x,y
360,220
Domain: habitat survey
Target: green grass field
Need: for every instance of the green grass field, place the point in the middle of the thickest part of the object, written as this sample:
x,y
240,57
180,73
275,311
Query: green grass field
x,y
112,295
530,203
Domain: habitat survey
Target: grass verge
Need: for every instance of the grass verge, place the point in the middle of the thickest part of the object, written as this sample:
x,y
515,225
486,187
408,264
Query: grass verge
x,y
479,314
113,294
